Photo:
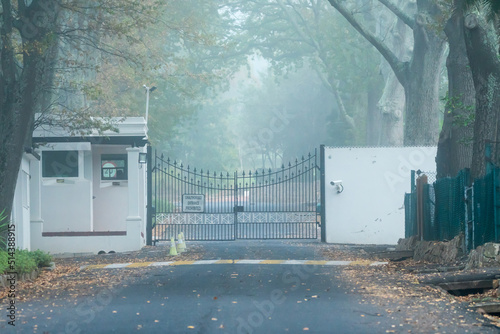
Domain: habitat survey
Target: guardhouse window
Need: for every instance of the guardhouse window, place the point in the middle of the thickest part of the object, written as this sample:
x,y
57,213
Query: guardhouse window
x,y
114,167
59,163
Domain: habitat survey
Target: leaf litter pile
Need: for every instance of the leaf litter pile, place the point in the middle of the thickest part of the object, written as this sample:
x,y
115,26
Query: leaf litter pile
x,y
413,307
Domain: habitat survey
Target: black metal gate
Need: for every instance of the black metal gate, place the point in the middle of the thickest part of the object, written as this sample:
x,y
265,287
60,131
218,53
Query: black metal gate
x,y
265,204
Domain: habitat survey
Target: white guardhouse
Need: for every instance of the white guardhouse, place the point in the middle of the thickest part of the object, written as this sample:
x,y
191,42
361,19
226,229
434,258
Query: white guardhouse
x,y
84,194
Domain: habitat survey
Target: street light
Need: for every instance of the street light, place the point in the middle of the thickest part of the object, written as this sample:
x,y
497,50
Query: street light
x,y
148,90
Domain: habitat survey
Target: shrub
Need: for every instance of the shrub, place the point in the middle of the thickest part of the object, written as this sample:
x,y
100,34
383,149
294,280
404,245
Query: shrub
x,y
25,263
4,225
3,262
41,258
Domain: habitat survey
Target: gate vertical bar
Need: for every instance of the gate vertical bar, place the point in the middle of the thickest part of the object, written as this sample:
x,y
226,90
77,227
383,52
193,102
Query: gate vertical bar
x,y
314,190
322,195
149,199
235,205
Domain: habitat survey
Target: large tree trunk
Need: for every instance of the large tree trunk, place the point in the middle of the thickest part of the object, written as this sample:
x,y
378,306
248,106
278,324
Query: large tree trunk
x,y
485,67
16,120
391,104
455,141
422,78
20,87
391,107
373,118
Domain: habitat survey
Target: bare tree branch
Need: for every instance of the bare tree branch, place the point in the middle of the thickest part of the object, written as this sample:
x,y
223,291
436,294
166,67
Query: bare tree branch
x,y
410,22
397,66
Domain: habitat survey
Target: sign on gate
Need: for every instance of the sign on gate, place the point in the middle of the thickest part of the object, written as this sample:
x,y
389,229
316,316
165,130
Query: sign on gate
x,y
193,203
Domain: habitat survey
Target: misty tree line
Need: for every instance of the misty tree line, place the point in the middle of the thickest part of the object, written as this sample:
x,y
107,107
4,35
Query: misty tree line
x,y
387,73
254,83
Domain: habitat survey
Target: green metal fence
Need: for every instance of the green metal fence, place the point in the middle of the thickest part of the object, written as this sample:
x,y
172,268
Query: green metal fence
x,y
430,228
484,225
410,214
450,208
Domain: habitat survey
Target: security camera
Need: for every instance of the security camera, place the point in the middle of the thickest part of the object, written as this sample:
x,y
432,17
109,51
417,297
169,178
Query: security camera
x,y
338,185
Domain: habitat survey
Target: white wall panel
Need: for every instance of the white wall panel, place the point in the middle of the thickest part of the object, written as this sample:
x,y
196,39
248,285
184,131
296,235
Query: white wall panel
x,y
370,209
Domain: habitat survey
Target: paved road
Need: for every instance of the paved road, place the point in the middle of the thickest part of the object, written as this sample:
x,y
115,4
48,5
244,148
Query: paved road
x,y
214,299
224,298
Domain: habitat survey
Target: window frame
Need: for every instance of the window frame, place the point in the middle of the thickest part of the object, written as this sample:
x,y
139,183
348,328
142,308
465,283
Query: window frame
x,y
110,157
60,164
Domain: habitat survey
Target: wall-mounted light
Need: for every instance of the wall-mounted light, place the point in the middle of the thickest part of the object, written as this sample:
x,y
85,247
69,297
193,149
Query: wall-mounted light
x,y
143,159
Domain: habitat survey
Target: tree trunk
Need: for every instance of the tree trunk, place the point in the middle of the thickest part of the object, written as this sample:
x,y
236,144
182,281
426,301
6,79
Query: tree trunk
x,y
20,88
485,67
15,125
392,102
391,107
455,141
422,78
373,117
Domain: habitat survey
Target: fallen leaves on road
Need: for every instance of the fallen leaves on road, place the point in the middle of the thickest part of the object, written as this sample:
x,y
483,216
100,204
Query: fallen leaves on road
x,y
67,277
407,301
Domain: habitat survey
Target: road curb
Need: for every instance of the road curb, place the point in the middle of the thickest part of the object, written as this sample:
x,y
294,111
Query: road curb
x,y
212,262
